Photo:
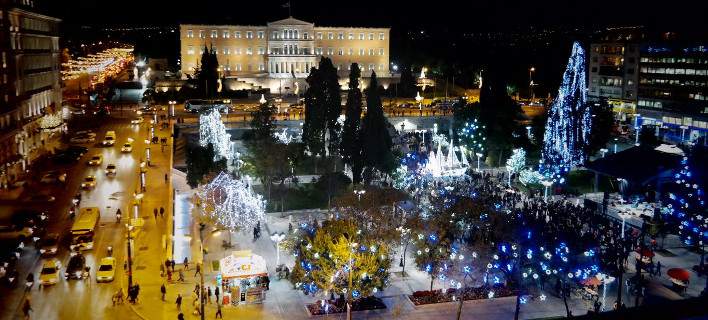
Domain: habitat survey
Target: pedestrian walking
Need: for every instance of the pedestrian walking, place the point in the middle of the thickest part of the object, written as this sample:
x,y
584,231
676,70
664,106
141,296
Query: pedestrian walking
x,y
163,291
172,262
178,302
180,316
181,276
196,289
658,268
167,179
186,264
218,312
162,212
198,270
167,263
154,212
26,308
162,270
208,294
216,293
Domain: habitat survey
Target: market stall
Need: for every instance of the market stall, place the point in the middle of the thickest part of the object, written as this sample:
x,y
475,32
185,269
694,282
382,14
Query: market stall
x,y
244,277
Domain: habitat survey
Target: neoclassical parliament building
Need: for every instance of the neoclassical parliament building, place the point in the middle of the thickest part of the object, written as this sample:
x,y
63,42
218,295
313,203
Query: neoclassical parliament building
x,y
280,54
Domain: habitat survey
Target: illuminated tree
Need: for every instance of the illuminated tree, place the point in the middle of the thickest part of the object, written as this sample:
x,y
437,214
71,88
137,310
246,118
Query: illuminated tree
x,y
568,125
230,203
213,131
327,257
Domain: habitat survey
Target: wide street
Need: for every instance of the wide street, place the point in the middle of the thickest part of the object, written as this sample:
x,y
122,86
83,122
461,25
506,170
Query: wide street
x,y
84,299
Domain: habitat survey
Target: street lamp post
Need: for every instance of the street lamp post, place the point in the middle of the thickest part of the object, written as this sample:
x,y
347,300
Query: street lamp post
x,y
547,184
479,156
615,145
277,238
637,128
359,193
351,292
604,151
683,133
172,108
419,99
531,70
528,131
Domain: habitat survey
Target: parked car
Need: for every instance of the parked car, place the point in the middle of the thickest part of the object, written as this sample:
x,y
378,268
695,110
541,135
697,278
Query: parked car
x,y
53,177
137,120
76,268
106,270
127,147
96,160
49,244
111,170
50,272
82,139
77,150
89,183
64,157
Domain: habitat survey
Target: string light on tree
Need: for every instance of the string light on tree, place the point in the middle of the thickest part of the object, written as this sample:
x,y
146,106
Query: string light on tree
x,y
516,162
212,130
471,136
231,203
568,125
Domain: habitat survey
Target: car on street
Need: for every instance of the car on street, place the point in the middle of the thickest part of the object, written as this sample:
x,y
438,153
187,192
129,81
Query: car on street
x,y
137,120
96,160
106,270
88,183
127,147
53,177
77,150
111,170
49,244
76,268
40,198
109,139
65,157
83,138
50,272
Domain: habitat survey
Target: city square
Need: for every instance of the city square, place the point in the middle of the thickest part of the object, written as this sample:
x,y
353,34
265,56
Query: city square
x,y
288,160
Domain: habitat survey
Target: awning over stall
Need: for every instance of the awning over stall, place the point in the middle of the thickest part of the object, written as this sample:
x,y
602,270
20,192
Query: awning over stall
x,y
242,264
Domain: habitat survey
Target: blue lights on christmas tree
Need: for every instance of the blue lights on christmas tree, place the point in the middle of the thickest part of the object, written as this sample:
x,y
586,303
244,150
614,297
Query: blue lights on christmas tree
x,y
568,125
686,207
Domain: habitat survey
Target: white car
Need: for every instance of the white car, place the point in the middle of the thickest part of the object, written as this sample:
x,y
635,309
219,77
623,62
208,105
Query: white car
x,y
108,141
111,169
96,160
127,147
53,177
50,272
106,270
89,182
138,120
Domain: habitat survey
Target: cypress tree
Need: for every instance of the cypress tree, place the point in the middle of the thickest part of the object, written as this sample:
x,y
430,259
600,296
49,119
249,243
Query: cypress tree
x,y
350,147
376,140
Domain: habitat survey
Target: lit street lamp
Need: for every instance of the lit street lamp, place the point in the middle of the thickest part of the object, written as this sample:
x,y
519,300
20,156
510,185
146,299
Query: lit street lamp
x,y
277,238
359,193
419,99
615,145
604,151
172,107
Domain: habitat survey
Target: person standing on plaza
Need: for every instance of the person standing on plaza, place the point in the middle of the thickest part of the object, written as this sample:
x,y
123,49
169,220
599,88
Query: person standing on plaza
x,y
218,312
163,291
26,308
180,316
154,212
186,264
197,270
162,212
658,268
209,294
178,302
172,262
216,293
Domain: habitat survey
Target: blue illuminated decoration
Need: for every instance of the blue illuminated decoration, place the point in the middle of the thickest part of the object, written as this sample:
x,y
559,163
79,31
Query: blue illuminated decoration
x,y
568,125
686,207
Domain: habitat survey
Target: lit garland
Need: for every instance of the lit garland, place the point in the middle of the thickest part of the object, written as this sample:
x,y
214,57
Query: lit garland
x,y
568,125
50,121
687,207
212,130
283,136
528,176
231,203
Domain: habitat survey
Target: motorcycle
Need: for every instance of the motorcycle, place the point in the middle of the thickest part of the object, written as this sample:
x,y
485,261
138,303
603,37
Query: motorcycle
x,y
72,212
110,251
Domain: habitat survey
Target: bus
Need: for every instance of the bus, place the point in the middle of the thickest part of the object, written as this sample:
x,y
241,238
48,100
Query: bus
x,y
195,106
84,229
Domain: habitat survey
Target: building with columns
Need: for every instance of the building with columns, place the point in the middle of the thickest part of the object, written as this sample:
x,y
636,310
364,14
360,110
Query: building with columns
x,y
280,54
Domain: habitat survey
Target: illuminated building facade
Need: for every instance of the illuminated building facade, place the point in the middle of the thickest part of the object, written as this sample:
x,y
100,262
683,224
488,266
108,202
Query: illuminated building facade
x,y
281,53
29,84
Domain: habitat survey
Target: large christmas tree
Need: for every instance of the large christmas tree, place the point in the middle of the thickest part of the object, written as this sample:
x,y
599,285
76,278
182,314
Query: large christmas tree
x,y
568,124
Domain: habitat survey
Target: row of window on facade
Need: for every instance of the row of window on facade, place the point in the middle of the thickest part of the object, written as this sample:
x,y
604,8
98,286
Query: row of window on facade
x,y
290,49
278,68
288,34
697,72
667,95
672,120
673,60
675,82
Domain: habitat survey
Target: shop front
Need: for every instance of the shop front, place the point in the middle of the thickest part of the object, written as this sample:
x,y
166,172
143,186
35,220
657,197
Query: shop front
x,y
243,278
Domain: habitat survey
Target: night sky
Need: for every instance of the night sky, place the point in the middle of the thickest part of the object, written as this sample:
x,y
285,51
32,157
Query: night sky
x,y
472,15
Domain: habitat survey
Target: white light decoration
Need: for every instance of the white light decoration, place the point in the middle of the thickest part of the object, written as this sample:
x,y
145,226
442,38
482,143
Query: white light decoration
x,y
231,203
441,165
50,121
283,136
528,176
212,130
517,161
104,64
568,125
